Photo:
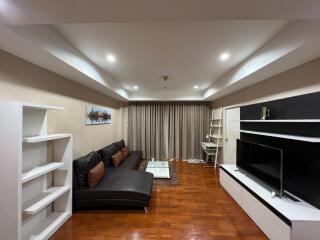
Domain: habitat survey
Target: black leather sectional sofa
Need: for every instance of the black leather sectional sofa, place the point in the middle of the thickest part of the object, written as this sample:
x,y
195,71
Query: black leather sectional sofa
x,y
121,186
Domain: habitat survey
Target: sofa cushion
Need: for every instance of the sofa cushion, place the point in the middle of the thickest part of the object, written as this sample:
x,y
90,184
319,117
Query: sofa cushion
x,y
131,161
121,144
83,165
117,158
107,153
120,184
96,174
125,151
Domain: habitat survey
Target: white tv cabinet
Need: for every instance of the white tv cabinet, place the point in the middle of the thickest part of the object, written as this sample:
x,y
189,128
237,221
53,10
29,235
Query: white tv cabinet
x,y
35,173
278,218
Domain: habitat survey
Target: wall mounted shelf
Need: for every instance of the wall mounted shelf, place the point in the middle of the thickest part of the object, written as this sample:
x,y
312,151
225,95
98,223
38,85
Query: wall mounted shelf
x,y
293,137
40,170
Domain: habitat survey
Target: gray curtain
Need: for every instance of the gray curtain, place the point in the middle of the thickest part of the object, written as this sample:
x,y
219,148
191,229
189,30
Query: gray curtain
x,y
166,130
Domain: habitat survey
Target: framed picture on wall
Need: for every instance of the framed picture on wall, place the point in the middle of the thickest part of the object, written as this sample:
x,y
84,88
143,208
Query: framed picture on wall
x,y
96,115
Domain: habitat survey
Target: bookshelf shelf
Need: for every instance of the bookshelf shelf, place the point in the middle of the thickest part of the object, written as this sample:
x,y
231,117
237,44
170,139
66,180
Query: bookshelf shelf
x,y
47,197
38,171
45,138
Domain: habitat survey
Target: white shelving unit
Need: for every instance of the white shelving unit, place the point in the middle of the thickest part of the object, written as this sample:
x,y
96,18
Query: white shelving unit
x,y
287,136
36,173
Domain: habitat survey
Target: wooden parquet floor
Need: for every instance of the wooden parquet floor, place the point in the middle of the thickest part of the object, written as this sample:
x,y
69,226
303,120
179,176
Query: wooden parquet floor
x,y
197,209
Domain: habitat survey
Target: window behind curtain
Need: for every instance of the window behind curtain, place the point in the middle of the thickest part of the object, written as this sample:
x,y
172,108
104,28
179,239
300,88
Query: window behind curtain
x,y
166,130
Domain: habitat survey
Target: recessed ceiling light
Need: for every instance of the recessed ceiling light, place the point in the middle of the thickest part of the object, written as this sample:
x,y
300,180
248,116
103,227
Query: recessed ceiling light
x,y
111,58
135,87
224,56
195,86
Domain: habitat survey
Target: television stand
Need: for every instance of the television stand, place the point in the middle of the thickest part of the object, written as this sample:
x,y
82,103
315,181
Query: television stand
x,y
288,195
279,218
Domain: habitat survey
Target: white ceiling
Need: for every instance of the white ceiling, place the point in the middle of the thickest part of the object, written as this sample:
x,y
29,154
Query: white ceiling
x,y
186,51
85,11
150,38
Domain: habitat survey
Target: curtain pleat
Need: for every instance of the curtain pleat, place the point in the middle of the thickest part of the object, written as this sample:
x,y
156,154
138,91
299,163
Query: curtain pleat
x,y
168,130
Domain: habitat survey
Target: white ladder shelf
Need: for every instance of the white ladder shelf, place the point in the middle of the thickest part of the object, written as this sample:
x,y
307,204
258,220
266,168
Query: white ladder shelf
x,y
211,148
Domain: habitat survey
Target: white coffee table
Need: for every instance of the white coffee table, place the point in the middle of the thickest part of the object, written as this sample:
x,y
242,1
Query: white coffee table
x,y
159,169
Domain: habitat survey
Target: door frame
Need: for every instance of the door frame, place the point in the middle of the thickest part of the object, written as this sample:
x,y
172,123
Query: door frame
x,y
224,109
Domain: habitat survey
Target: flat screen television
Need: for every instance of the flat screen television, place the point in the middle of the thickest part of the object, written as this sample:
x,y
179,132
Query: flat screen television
x,y
262,162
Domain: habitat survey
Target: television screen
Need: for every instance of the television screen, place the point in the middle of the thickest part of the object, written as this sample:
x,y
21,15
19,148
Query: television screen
x,y
262,162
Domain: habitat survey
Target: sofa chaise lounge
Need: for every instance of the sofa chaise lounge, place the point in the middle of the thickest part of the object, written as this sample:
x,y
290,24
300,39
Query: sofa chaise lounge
x,y
121,186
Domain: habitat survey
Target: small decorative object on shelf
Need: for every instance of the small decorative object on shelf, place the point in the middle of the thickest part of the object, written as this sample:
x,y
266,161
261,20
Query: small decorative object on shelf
x,y
265,113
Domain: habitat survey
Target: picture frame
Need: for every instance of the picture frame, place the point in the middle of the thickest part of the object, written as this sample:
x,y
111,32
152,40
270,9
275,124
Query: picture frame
x,y
97,115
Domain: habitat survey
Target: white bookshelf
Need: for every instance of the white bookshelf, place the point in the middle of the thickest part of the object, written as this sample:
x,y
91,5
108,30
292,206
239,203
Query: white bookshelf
x,y
36,173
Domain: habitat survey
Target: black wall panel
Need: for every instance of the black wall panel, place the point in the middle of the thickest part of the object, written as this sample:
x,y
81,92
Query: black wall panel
x,y
299,107
301,159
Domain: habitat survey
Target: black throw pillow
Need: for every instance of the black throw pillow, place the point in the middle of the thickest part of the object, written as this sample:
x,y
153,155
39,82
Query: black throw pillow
x,y
121,144
83,165
107,153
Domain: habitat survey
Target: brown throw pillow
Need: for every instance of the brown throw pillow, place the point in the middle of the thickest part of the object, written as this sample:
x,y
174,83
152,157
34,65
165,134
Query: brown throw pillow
x,y
96,174
125,151
117,158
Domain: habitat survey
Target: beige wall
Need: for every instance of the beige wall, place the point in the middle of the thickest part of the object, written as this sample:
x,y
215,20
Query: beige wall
x,y
24,81
299,80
